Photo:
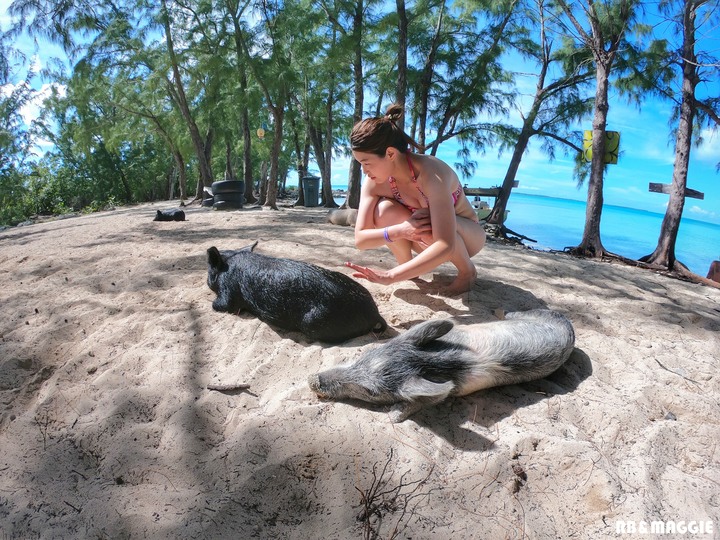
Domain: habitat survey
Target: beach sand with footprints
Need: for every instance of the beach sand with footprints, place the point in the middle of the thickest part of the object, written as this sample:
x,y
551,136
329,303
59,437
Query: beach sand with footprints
x,y
108,344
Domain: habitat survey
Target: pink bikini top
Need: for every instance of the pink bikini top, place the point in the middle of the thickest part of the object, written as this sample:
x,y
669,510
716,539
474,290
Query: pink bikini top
x,y
396,192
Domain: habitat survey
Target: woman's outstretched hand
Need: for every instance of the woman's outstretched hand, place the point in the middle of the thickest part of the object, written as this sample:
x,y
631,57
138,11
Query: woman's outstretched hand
x,y
365,272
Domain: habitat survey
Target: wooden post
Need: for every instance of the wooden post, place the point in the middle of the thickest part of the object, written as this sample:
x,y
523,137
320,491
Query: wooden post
x,y
665,188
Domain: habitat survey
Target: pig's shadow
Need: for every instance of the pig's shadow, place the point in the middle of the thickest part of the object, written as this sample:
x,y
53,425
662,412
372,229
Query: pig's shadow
x,y
487,407
301,339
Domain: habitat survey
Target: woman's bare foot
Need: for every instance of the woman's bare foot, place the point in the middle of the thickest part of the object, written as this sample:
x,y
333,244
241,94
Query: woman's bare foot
x,y
462,284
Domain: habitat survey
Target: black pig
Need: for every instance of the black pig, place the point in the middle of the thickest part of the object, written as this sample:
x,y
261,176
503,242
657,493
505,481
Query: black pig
x,y
322,304
174,214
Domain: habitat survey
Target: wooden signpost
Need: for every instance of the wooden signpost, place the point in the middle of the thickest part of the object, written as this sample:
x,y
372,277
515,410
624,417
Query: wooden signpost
x,y
486,192
665,188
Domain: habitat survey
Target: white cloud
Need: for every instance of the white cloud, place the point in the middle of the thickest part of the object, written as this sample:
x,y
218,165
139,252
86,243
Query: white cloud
x,y
6,89
31,110
4,17
701,213
655,149
36,63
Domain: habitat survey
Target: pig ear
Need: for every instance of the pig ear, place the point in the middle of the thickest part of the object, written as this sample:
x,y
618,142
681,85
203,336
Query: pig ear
x,y
426,332
251,247
215,260
418,387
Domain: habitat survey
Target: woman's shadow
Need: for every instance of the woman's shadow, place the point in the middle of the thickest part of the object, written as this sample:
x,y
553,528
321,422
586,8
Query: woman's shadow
x,y
485,298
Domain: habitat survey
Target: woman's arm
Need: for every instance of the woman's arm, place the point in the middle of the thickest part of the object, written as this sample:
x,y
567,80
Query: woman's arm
x,y
443,221
366,235
369,235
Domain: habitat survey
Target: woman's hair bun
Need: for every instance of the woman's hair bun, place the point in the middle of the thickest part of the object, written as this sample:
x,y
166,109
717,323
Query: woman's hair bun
x,y
375,135
394,112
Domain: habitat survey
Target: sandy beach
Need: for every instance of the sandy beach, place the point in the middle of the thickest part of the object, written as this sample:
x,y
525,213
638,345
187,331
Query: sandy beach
x,y
108,342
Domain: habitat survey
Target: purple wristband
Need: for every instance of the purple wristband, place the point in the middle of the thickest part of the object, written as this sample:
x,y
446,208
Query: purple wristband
x,y
386,235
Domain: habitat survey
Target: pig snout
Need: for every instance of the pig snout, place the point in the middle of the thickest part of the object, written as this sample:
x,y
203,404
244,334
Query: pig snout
x,y
335,384
316,385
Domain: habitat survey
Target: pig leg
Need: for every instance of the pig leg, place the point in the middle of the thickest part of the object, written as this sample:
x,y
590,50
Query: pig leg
x,y
405,409
402,411
420,393
225,304
220,304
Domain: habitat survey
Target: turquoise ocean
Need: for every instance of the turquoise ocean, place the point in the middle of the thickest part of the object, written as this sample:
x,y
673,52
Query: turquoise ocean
x,y
559,223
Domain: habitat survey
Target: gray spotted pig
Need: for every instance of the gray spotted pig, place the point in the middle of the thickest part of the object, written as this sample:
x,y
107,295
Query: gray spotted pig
x,y
436,359
342,216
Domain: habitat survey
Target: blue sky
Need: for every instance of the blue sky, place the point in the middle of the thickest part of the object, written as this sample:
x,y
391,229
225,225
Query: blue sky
x,y
646,154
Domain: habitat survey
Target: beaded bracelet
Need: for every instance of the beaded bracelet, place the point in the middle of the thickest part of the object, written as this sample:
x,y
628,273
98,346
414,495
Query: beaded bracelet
x,y
386,235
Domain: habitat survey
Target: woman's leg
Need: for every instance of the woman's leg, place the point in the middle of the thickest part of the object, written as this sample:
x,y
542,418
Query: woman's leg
x,y
389,212
472,234
470,240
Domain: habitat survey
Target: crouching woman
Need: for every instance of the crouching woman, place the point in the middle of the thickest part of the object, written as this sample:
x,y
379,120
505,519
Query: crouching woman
x,y
411,203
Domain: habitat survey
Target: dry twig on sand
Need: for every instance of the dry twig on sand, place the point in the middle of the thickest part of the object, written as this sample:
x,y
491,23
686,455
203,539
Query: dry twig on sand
x,y
380,499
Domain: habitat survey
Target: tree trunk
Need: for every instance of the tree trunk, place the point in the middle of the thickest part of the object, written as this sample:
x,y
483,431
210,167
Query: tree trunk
x,y
401,89
426,79
328,200
354,180
229,174
497,216
170,178
316,139
244,116
283,181
208,148
591,245
177,91
247,159
277,109
664,254
262,188
278,112
300,166
182,176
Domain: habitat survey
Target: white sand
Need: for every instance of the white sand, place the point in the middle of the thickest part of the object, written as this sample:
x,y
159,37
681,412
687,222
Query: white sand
x,y
108,341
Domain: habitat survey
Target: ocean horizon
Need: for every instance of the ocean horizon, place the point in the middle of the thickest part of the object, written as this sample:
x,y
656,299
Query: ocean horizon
x,y
556,224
